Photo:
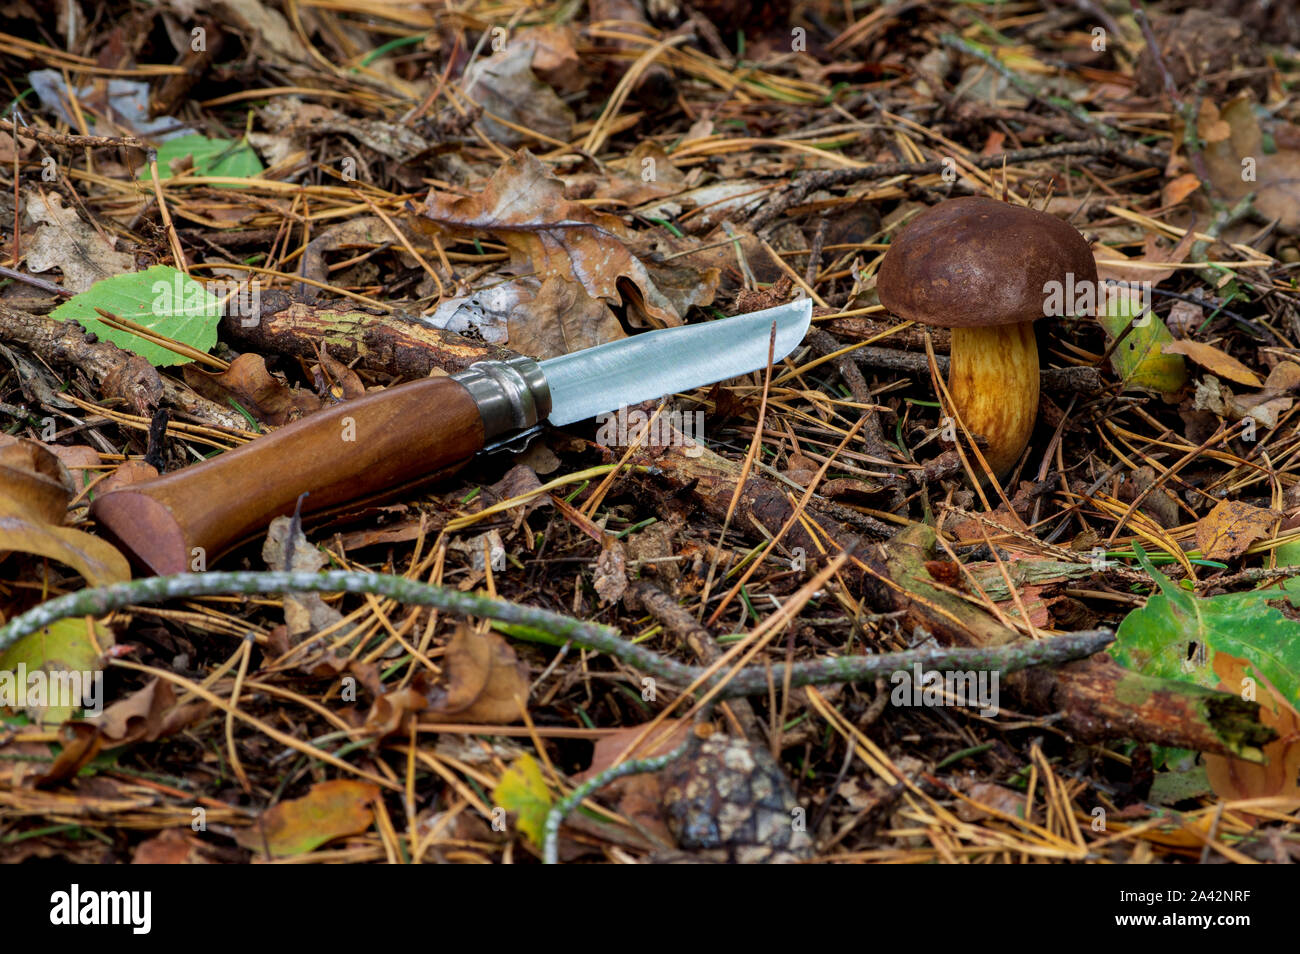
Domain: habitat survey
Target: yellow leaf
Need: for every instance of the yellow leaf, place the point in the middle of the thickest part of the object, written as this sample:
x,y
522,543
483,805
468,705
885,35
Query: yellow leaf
x,y
523,792
95,559
62,647
1215,361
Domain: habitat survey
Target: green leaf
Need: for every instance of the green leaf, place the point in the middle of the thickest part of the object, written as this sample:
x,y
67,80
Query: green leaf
x,y
160,298
522,790
61,647
1177,635
1138,359
529,634
212,157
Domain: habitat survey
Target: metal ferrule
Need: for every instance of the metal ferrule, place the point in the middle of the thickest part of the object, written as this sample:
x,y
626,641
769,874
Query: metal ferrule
x,y
512,395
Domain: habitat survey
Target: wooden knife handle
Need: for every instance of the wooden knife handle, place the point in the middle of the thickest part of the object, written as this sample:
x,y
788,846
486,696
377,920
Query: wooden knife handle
x,y
351,451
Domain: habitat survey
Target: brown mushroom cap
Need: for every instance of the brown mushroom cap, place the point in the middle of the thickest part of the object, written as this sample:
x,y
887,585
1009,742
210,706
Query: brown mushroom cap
x,y
975,262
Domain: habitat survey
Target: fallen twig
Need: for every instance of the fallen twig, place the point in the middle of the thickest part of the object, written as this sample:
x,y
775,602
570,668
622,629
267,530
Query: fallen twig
x,y
99,601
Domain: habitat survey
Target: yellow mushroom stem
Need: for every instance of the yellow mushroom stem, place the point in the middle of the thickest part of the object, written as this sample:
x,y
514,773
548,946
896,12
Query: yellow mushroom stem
x,y
993,379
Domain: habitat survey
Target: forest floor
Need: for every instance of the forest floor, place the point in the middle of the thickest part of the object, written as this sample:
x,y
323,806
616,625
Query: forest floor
x,y
376,193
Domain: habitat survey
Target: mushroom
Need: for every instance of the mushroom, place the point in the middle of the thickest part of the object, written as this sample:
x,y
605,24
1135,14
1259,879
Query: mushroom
x,y
988,270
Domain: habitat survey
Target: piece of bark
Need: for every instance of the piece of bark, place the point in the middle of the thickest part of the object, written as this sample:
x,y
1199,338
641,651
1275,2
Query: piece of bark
x,y
119,372
860,328
1105,701
389,344
1097,698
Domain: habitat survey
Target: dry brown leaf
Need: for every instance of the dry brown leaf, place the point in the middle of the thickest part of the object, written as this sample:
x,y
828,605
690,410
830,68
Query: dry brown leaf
x,y
989,795
1285,376
1279,775
486,682
126,473
7,150
1035,605
138,717
638,797
330,810
1264,406
524,206
65,242
79,743
504,84
646,174
518,481
1239,163
555,60
304,613
391,710
971,530
1176,190
540,319
1232,526
335,378
97,560
254,388
35,479
615,744
172,846
611,573
1215,361
1114,264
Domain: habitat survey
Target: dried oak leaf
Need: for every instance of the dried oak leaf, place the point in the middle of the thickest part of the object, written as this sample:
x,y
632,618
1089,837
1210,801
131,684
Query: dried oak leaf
x,y
542,319
65,242
524,206
486,682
